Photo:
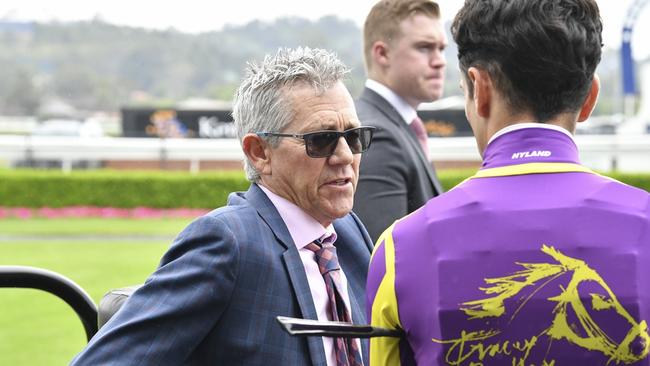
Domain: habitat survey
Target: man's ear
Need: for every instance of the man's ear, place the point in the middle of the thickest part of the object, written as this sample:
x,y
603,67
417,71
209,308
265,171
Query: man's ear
x,y
257,151
591,99
379,52
483,91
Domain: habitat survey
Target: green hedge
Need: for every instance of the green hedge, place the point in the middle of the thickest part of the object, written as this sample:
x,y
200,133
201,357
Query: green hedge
x,y
127,189
26,188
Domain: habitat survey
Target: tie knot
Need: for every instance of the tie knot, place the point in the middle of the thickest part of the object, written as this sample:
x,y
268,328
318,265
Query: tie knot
x,y
418,127
325,256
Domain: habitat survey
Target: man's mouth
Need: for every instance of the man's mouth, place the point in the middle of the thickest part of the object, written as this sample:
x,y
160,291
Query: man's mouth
x,y
340,182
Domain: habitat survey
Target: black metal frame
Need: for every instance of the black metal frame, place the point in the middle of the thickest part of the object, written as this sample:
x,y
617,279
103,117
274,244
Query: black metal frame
x,y
306,328
56,284
86,309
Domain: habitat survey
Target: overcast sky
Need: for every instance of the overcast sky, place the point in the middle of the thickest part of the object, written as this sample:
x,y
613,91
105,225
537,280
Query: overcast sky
x,y
198,16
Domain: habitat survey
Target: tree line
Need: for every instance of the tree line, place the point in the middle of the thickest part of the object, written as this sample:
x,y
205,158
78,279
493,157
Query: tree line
x,y
93,65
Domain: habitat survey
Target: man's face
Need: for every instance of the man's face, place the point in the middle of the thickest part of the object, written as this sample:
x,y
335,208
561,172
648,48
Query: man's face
x,y
416,66
323,187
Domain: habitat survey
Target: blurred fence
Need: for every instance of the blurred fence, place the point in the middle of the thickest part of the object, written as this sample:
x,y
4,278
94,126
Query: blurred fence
x,y
629,153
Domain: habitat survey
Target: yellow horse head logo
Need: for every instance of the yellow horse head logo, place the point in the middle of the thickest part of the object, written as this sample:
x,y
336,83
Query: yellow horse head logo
x,y
586,332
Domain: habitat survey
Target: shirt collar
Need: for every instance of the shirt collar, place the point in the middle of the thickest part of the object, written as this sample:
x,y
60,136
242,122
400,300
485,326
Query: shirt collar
x,y
530,143
303,228
523,125
407,112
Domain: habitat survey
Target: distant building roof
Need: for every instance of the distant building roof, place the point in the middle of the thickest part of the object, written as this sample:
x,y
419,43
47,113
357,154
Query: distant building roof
x,y
16,26
203,104
56,108
453,102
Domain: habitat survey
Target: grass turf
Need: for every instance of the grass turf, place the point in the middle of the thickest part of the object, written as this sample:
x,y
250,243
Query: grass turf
x,y
96,226
37,328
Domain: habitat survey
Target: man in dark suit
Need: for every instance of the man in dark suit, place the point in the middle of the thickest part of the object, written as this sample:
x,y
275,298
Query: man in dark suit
x,y
272,250
403,49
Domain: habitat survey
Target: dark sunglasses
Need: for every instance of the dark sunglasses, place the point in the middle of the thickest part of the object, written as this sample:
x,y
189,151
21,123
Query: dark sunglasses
x,y
321,144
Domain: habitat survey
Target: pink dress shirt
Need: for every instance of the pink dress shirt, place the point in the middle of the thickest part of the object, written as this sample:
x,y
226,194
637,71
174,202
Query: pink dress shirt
x,y
304,229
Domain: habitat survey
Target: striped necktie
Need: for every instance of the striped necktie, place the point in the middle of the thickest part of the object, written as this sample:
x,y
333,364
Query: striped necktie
x,y
347,351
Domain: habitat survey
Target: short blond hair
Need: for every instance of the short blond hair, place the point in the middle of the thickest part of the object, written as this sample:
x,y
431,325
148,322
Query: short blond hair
x,y
382,23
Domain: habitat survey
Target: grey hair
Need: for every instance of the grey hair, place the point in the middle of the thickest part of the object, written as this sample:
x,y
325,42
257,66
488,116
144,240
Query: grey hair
x,y
261,104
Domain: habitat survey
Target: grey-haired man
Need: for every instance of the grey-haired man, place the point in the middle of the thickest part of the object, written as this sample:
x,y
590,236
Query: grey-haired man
x,y
214,298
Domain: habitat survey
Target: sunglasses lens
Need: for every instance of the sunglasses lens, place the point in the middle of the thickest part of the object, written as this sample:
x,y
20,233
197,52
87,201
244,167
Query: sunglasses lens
x,y
354,140
366,138
321,144
359,139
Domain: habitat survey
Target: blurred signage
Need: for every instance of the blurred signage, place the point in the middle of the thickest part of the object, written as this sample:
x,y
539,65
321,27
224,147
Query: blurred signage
x,y
177,123
182,123
445,122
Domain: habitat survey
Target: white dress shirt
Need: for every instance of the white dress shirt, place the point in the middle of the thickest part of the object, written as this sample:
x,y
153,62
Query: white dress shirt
x,y
404,109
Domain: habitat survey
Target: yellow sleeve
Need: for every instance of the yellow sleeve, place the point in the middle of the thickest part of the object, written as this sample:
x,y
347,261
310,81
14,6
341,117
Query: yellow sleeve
x,y
384,312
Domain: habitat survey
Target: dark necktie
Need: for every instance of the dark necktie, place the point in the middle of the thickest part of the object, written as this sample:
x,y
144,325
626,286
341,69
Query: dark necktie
x,y
347,351
421,133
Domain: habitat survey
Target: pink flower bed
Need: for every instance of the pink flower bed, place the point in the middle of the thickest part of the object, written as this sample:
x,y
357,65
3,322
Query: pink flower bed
x,y
105,212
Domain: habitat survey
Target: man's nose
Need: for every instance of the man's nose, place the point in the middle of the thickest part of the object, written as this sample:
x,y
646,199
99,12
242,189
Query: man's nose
x,y
438,59
342,153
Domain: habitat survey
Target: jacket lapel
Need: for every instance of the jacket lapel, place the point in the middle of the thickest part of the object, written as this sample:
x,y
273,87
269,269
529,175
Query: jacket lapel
x,y
301,289
389,111
354,259
291,258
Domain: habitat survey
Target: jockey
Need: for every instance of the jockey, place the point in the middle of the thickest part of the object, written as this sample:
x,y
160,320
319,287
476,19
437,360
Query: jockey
x,y
536,259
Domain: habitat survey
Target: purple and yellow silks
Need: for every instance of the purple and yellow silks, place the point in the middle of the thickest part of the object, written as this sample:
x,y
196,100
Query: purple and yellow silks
x,y
536,260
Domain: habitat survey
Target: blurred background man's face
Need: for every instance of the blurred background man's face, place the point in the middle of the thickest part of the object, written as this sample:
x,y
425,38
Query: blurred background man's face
x,y
417,63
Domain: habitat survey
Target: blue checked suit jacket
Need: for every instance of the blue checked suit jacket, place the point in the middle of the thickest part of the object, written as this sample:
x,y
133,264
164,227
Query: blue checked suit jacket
x,y
214,298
